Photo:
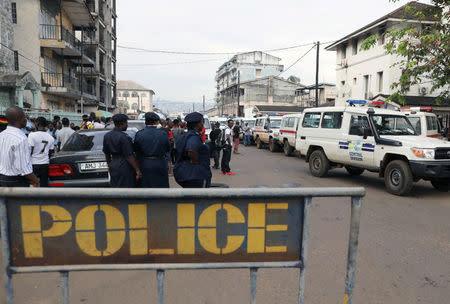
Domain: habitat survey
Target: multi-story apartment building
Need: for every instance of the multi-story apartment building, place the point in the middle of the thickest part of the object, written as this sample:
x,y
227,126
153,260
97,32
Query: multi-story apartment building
x,y
369,74
105,41
64,54
241,69
133,98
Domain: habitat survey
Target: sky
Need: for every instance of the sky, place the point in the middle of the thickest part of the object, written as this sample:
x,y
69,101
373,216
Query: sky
x,y
230,26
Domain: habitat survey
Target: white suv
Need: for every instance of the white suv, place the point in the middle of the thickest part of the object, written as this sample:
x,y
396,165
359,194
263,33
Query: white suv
x,y
266,132
377,140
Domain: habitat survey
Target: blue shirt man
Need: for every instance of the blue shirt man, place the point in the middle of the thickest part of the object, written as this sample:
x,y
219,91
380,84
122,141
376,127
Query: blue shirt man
x,y
151,146
192,168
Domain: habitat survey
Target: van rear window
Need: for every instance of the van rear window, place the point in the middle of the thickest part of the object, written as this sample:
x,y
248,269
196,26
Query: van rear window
x,y
332,120
311,120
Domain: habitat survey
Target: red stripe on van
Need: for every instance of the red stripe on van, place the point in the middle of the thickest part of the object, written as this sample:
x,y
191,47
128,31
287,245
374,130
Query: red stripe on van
x,y
288,131
434,135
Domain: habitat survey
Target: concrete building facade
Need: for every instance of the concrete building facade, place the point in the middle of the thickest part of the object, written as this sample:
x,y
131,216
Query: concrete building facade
x,y
269,90
369,74
133,98
306,96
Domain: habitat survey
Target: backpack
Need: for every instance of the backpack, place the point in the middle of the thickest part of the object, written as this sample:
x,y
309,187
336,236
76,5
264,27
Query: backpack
x,y
220,140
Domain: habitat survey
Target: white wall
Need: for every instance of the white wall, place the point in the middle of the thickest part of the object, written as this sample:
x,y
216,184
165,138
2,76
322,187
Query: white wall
x,y
369,63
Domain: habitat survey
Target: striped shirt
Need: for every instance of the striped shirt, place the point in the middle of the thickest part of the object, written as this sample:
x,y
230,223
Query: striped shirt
x,y
15,154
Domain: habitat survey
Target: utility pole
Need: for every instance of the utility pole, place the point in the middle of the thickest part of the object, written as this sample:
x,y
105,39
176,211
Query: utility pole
x,y
317,74
204,104
239,94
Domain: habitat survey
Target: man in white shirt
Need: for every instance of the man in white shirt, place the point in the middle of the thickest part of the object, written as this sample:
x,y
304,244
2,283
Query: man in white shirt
x,y
16,169
64,133
41,144
226,155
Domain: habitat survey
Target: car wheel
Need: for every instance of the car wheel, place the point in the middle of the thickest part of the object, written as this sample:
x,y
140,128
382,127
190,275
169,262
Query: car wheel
x,y
354,171
319,164
442,185
287,149
259,144
398,177
273,147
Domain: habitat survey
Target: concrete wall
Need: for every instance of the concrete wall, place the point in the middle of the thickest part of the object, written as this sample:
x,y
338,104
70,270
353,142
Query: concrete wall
x,y
6,37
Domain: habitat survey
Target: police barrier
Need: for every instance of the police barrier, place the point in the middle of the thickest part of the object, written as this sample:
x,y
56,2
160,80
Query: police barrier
x,y
65,230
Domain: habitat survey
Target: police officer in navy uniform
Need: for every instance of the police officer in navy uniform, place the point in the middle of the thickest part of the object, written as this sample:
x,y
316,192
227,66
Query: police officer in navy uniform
x,y
151,146
118,149
192,168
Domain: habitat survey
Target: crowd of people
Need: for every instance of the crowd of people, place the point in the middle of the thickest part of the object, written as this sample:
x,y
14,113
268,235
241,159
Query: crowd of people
x,y
27,145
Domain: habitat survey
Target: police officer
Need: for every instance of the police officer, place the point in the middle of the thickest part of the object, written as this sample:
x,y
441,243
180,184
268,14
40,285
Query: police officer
x,y
192,169
151,145
118,149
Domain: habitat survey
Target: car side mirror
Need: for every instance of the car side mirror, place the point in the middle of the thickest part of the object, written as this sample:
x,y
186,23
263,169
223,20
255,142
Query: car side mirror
x,y
266,127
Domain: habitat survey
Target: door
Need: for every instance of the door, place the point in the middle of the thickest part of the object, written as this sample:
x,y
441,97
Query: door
x,y
359,148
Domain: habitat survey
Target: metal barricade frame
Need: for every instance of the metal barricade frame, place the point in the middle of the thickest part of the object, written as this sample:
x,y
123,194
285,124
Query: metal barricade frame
x,y
305,194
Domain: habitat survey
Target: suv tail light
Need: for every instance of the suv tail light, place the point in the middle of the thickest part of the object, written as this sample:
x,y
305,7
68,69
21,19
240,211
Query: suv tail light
x,y
59,170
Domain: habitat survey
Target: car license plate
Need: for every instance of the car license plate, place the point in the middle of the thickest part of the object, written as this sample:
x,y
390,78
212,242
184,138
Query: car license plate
x,y
93,166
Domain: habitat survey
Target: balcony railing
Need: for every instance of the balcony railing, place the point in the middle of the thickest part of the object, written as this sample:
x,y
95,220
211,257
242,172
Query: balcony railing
x,y
60,80
56,32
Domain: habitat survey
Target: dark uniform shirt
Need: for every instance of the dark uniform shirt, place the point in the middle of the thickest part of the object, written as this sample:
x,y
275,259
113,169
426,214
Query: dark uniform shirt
x,y
119,145
185,170
151,145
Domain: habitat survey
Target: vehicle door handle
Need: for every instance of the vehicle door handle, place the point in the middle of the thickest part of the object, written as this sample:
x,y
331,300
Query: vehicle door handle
x,y
302,137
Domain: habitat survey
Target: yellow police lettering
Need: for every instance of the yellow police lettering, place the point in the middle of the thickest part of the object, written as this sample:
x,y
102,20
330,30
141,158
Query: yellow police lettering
x,y
186,229
207,231
32,227
85,230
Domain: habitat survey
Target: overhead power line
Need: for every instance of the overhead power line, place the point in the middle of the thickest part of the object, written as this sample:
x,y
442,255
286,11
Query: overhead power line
x,y
300,58
168,63
208,53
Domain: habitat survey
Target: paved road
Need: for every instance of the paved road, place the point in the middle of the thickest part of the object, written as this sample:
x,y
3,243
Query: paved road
x,y
404,253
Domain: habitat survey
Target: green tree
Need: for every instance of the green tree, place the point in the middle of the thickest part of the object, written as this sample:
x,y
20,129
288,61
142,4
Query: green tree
x,y
423,49
294,79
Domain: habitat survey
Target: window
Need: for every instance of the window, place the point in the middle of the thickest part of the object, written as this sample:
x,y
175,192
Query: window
x,y
134,94
275,123
50,65
16,60
259,122
126,94
431,123
118,94
355,46
380,81
415,121
311,120
358,124
14,12
291,122
332,120
344,51
258,73
366,86
143,95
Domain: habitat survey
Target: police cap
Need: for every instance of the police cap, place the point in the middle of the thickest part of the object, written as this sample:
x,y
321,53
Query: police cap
x,y
151,116
119,118
193,117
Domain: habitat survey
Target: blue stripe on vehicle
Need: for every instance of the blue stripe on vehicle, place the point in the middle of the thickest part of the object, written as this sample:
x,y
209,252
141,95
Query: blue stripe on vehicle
x,y
368,150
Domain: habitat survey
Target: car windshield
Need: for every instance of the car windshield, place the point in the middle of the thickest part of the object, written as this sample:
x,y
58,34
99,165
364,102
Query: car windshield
x,y
207,124
275,123
392,125
139,125
251,123
89,141
223,123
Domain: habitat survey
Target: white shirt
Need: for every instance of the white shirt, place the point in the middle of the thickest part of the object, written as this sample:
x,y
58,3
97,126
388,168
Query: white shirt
x,y
42,143
15,158
63,135
98,125
228,132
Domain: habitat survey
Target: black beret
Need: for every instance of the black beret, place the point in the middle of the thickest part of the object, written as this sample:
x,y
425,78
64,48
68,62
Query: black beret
x,y
193,117
152,116
118,118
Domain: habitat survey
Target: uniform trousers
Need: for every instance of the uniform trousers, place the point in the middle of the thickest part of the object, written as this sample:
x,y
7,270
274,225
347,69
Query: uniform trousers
x,y
226,157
